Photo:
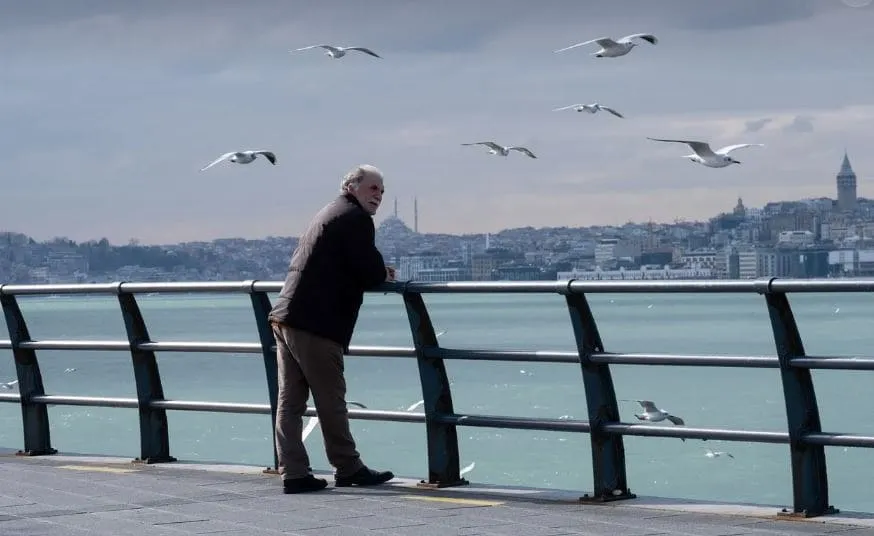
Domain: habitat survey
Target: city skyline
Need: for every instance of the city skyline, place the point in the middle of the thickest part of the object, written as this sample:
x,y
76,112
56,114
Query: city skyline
x,y
111,125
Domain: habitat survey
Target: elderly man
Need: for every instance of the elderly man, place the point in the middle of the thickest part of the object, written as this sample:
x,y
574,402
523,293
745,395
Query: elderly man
x,y
335,261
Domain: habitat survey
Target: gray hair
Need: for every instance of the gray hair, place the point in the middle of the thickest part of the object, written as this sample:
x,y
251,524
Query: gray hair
x,y
352,179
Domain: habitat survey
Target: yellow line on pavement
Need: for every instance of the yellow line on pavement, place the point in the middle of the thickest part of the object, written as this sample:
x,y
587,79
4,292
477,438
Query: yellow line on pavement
x,y
97,468
455,500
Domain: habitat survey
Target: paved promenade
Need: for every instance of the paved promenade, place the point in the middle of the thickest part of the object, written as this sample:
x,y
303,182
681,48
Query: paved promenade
x,y
89,496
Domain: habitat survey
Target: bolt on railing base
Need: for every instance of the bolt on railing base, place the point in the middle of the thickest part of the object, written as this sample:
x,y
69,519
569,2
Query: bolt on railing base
x,y
439,484
806,514
617,495
153,460
44,452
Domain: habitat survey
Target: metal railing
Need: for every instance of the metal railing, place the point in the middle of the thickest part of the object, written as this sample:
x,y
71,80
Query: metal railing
x,y
804,432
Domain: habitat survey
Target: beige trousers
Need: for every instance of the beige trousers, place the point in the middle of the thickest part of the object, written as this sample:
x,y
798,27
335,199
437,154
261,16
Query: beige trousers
x,y
305,363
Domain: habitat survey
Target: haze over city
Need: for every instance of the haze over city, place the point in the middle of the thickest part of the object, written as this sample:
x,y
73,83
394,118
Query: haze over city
x,y
112,108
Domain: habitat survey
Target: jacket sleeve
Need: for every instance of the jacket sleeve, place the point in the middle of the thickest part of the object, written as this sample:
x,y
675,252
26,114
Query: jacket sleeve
x,y
365,260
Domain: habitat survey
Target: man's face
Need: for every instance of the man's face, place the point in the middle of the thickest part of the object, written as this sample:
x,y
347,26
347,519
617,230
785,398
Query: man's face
x,y
369,193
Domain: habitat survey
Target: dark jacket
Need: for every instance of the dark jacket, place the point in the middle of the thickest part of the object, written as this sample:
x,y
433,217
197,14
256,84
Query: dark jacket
x,y
335,261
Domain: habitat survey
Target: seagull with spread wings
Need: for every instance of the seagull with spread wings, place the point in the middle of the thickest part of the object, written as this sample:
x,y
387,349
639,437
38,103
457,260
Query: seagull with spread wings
x,y
614,49
500,150
706,156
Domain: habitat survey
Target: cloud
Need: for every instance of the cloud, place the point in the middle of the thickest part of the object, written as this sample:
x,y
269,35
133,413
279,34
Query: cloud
x,y
800,123
113,109
756,125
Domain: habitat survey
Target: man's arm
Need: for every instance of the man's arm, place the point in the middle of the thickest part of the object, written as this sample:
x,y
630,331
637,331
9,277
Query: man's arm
x,y
366,260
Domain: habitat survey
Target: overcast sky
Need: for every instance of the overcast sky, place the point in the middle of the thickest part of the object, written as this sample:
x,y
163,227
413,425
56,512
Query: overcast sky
x,y
111,108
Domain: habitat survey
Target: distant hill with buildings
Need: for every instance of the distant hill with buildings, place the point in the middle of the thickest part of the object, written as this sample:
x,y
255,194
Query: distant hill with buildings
x,y
820,237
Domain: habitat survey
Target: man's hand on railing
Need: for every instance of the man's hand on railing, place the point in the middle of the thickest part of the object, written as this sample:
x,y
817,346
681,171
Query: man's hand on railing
x,y
389,273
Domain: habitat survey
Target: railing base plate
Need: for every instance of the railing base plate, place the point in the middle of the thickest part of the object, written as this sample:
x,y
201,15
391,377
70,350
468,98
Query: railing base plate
x,y
156,459
47,452
270,471
591,499
437,485
804,514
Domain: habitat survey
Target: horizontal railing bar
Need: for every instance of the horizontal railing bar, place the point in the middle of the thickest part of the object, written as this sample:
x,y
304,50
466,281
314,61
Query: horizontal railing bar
x,y
10,397
822,285
91,401
181,346
838,440
381,351
463,287
668,286
73,288
5,344
468,287
685,432
687,360
835,363
76,345
217,407
518,423
502,355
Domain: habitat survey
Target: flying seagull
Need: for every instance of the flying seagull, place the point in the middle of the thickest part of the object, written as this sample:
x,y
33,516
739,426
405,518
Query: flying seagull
x,y
337,52
314,421
591,108
242,157
716,454
614,49
653,414
706,156
500,150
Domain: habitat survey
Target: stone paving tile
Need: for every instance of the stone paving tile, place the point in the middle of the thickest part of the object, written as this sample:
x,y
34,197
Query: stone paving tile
x,y
42,498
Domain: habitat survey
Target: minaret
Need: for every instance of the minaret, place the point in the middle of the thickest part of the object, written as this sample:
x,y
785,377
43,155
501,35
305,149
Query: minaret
x,y
396,207
846,180
415,215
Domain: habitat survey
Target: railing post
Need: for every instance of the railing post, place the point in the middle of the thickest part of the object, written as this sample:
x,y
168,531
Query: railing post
x,y
261,307
608,450
809,476
154,430
34,417
442,438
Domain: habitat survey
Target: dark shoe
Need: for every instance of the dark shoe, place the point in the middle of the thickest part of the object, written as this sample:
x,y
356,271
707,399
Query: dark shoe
x,y
364,477
303,485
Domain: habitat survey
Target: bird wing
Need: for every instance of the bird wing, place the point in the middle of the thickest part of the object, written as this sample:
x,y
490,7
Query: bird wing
x,y
522,150
567,107
267,154
217,160
647,405
603,41
611,110
328,47
729,148
676,420
650,38
700,147
365,50
491,144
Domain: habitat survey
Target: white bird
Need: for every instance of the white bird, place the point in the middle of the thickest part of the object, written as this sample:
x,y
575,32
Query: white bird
x,y
614,49
500,150
653,414
706,156
716,454
338,52
314,421
242,157
416,405
9,385
468,468
591,108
